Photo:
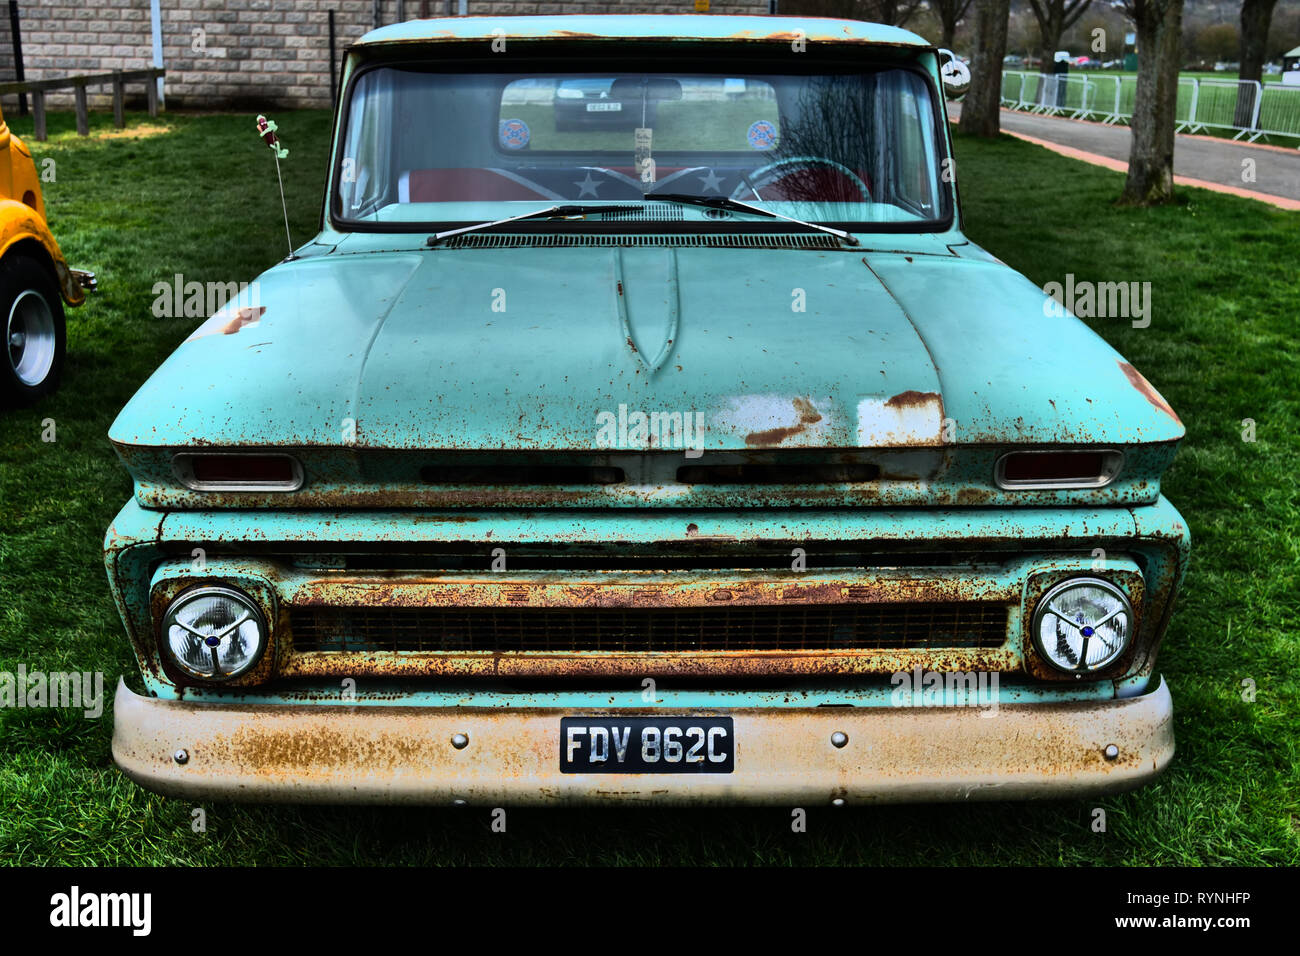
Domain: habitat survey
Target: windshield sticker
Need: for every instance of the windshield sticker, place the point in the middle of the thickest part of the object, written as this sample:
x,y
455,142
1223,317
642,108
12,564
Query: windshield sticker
x,y
514,134
762,135
645,164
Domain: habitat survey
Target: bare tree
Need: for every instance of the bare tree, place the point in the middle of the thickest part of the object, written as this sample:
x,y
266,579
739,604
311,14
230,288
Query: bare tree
x,y
892,12
950,13
1256,16
979,110
1054,18
1151,155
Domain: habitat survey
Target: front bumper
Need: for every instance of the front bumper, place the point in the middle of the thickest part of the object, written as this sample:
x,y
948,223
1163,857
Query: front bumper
x,y
403,754
85,280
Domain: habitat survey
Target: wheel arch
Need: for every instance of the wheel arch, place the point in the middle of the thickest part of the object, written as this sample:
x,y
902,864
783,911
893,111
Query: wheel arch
x,y
28,235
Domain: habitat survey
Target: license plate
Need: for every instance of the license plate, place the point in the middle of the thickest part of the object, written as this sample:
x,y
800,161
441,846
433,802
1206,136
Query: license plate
x,y
647,745
604,107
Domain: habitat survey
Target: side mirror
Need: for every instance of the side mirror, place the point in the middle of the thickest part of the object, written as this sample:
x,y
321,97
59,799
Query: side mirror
x,y
954,73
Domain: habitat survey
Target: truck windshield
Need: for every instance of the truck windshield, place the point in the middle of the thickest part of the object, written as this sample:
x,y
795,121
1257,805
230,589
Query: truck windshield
x,y
425,149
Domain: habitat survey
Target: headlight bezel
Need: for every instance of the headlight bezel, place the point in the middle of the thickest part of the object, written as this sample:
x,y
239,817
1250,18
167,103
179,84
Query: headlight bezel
x,y
252,672
1130,597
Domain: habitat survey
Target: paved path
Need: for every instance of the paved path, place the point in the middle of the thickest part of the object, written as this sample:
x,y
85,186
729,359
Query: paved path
x,y
1203,161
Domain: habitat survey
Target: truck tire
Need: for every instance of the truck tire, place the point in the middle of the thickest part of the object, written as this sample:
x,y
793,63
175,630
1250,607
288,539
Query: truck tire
x,y
35,337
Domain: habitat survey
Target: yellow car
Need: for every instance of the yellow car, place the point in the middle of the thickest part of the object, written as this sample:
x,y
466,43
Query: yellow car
x,y
35,281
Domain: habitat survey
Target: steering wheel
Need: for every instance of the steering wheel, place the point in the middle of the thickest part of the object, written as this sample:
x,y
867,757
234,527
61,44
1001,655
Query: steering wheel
x,y
752,181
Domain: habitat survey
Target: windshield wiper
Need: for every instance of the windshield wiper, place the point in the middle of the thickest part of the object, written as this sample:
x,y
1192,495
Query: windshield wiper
x,y
551,212
721,202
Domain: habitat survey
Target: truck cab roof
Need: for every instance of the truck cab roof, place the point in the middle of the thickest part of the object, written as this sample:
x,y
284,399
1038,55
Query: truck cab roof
x,y
645,27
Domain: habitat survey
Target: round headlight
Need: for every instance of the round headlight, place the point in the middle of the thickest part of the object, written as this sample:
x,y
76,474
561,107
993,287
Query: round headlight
x,y
1083,625
214,633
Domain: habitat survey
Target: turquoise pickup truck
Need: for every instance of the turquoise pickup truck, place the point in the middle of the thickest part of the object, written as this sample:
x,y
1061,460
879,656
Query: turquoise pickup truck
x,y
691,457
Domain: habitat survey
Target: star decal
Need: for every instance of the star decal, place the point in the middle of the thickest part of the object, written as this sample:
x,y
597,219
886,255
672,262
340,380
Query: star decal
x,y
712,182
588,186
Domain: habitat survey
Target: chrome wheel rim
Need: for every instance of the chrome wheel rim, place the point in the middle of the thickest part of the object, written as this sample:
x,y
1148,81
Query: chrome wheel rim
x,y
29,337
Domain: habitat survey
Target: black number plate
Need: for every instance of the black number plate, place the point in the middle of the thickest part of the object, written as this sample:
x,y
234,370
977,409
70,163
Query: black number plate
x,y
647,745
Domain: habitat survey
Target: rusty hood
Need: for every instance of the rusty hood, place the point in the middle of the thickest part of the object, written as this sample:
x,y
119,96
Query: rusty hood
x,y
562,348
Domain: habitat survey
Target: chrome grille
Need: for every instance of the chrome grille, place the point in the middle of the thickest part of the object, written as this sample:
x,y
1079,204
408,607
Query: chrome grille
x,y
824,627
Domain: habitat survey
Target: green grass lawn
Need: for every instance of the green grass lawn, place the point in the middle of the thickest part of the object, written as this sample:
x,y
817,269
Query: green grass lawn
x,y
196,195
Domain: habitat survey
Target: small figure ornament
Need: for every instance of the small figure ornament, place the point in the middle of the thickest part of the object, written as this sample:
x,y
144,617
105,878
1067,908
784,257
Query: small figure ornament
x,y
267,129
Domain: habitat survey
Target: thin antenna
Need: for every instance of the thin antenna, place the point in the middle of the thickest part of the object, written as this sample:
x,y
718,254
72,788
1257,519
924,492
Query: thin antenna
x,y
266,129
283,208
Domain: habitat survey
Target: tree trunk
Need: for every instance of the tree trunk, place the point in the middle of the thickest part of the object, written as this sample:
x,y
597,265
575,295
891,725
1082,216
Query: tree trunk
x,y
979,110
949,13
1049,32
1255,18
1052,92
1151,156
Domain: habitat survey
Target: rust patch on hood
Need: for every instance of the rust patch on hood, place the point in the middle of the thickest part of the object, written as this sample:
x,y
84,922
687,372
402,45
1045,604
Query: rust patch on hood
x,y
807,414
1148,391
913,399
774,436
908,419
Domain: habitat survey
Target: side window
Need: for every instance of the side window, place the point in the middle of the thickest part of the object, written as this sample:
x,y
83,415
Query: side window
x,y
913,175
366,164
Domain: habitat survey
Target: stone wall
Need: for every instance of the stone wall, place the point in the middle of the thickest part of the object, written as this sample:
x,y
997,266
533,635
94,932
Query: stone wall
x,y
243,53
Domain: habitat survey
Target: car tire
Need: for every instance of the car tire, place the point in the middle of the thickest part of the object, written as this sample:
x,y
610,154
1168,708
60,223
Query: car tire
x,y
35,335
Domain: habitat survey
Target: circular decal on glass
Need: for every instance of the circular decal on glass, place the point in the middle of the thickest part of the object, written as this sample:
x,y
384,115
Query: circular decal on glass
x,y
513,134
762,135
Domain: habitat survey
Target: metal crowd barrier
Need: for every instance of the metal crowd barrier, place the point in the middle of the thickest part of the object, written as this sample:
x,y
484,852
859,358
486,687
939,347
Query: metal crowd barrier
x,y
1250,108
1279,111
1226,104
